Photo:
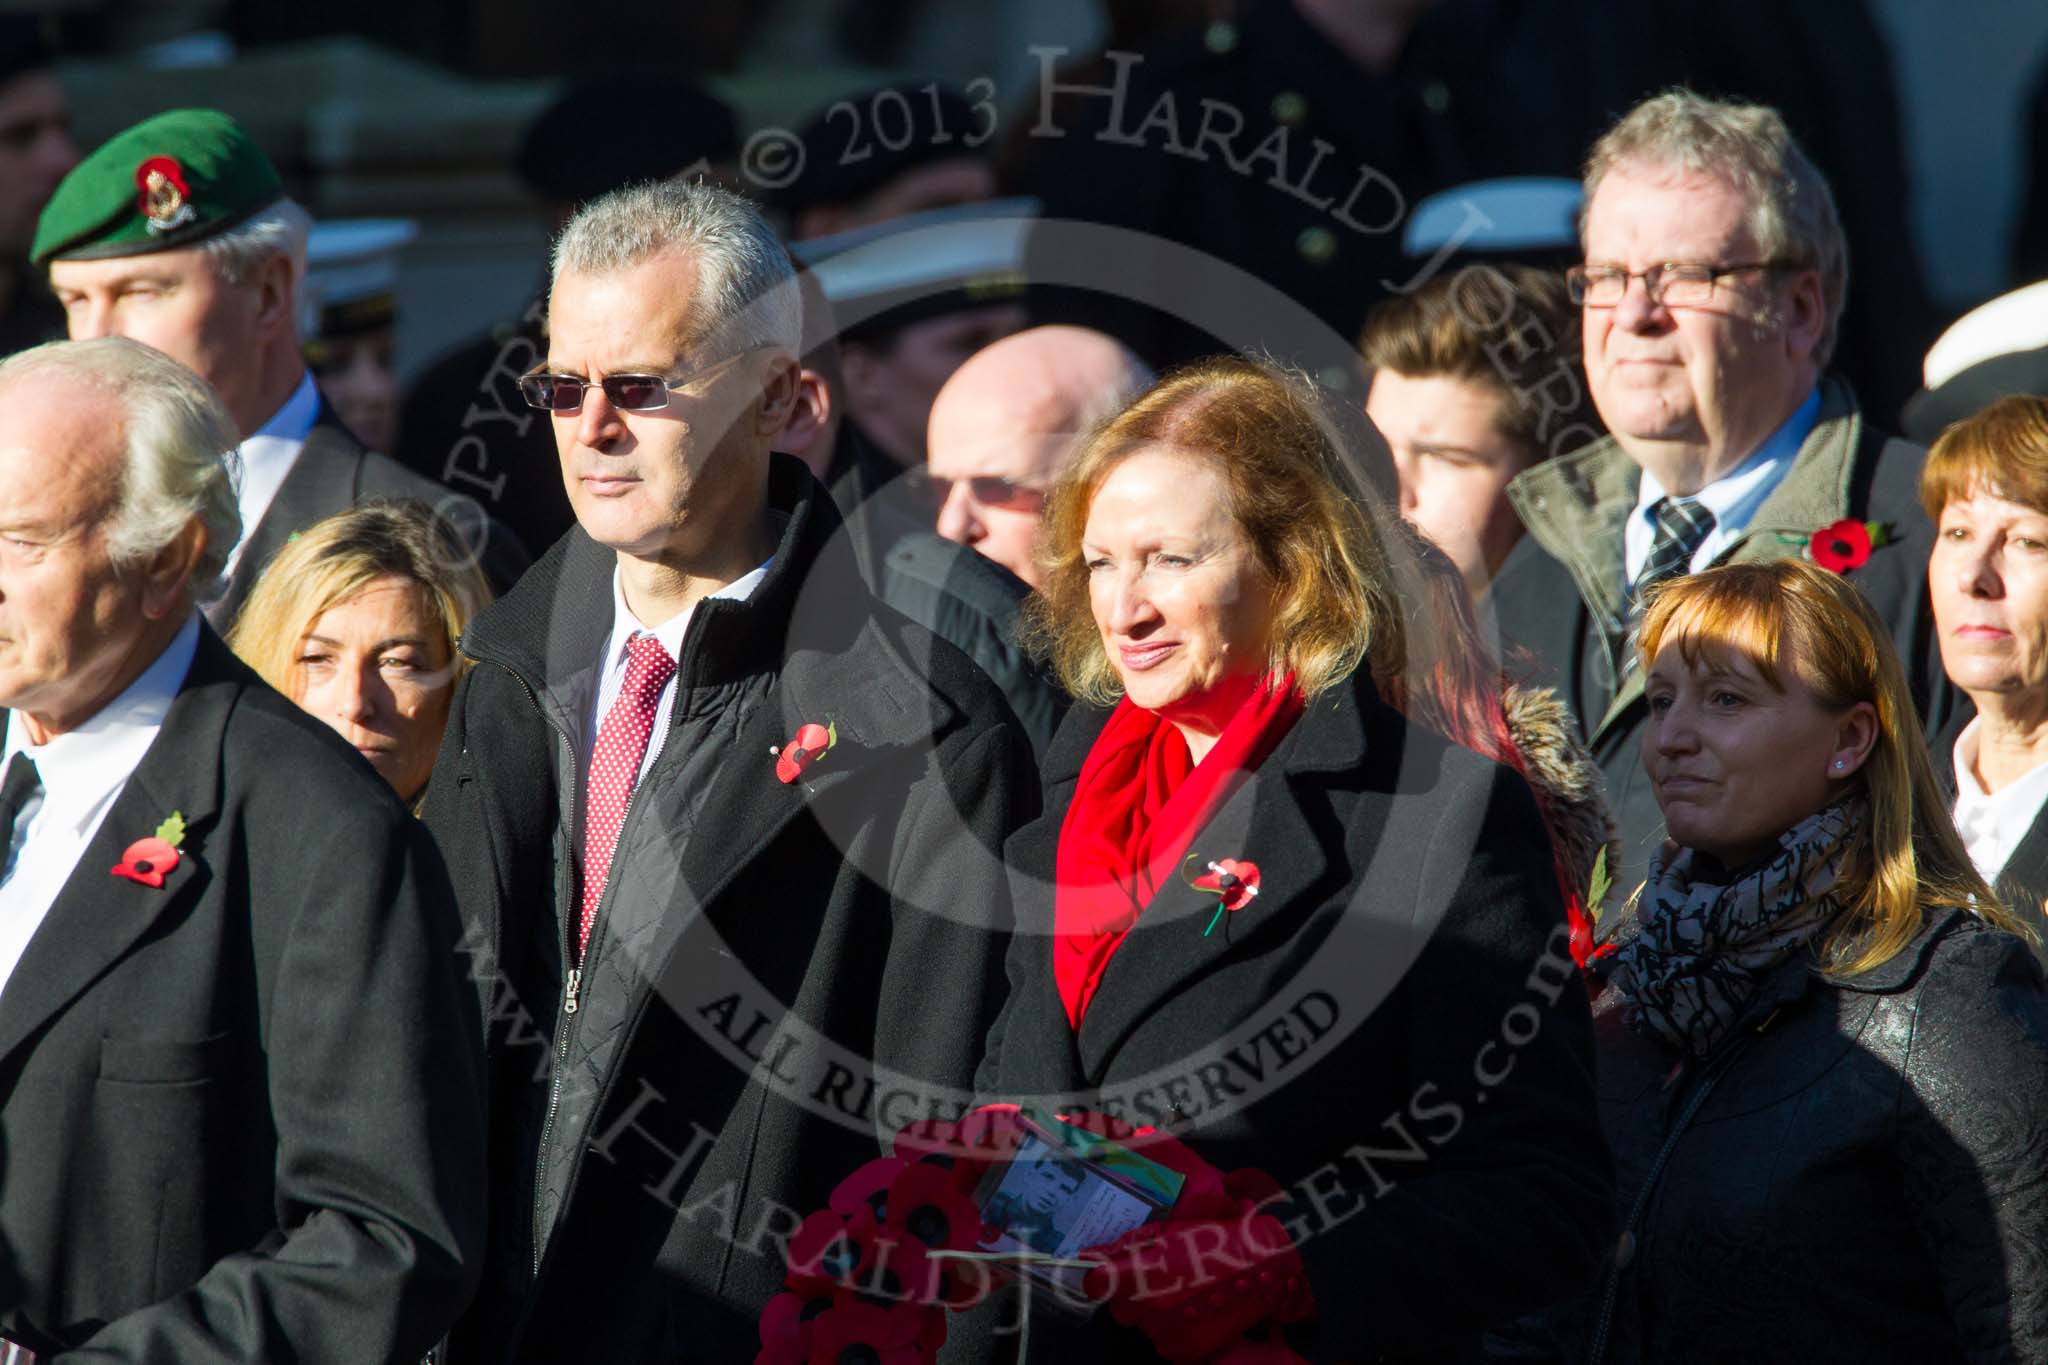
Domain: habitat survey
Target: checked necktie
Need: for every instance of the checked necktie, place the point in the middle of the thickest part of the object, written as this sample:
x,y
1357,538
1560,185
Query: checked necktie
x,y
615,767
1681,526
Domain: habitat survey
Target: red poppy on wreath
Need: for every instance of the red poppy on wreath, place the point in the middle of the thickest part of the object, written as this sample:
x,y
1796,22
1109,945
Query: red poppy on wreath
x,y
1233,879
148,860
828,1251
811,743
786,1328
853,1332
1846,544
867,1188
927,1212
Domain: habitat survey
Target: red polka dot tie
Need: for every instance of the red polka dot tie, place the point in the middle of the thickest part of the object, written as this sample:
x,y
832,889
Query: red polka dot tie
x,y
615,766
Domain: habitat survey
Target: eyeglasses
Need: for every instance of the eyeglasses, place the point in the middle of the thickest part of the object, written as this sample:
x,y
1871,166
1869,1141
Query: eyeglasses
x,y
1672,284
626,392
990,490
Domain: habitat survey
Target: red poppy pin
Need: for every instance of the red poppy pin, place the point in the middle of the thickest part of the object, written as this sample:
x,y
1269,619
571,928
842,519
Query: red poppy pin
x,y
1234,880
811,743
148,860
162,195
1844,545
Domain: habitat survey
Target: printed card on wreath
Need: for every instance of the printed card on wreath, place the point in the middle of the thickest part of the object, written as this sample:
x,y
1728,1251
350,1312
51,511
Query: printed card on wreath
x,y
1063,1191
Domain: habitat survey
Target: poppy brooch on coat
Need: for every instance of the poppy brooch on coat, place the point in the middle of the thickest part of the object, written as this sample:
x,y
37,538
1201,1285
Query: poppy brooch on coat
x,y
1843,545
148,860
810,743
1234,880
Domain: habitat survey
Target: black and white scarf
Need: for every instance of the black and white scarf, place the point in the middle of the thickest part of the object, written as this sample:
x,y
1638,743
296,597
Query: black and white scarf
x,y
1705,946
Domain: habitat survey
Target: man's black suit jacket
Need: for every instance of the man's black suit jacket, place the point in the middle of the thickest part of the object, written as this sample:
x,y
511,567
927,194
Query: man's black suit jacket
x,y
333,473
241,1114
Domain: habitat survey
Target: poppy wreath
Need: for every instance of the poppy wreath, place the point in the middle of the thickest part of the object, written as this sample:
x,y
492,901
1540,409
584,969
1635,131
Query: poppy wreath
x,y
865,1286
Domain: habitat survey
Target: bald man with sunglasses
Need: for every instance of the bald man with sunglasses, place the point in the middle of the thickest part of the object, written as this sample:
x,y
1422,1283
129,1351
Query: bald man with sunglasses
x,y
1005,423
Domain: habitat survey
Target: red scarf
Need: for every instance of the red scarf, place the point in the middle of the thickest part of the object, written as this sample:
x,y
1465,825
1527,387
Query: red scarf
x,y
1140,802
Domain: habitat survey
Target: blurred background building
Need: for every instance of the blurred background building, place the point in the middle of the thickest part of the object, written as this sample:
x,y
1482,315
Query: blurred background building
x,y
416,109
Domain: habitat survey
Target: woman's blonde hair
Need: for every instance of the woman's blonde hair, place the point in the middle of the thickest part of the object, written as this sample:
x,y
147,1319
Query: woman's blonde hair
x,y
1908,856
1280,451
337,558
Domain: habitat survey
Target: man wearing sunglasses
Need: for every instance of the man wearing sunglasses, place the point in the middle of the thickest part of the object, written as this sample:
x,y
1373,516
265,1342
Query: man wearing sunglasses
x,y
1712,291
726,829
1005,423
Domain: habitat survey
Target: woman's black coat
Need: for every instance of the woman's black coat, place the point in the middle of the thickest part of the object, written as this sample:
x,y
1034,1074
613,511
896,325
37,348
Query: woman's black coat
x,y
1393,1029
1866,1178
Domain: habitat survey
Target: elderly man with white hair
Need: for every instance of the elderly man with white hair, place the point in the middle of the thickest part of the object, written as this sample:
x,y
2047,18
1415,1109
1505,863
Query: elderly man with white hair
x,y
731,825
1712,291
240,1070
1005,423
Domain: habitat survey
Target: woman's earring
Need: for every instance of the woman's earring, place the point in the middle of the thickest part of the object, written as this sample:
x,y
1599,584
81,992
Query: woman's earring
x,y
1840,764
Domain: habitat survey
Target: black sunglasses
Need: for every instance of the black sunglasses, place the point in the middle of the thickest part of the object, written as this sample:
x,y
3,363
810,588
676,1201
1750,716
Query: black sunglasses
x,y
626,392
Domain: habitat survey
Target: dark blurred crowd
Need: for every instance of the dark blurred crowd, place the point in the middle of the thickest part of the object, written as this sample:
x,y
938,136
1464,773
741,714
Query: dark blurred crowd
x,y
1390,617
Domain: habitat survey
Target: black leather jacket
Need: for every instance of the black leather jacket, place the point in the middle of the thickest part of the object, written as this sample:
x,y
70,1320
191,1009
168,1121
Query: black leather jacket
x,y
1859,1172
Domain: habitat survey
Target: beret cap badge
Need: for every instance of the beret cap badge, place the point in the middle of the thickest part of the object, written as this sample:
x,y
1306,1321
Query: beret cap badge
x,y
165,198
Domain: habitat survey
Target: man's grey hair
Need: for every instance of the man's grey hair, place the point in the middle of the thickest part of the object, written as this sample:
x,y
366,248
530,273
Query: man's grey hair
x,y
240,252
1792,212
180,447
747,295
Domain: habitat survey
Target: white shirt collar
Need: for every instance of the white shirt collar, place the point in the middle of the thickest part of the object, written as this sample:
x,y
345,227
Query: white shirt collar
x,y
669,634
1734,498
82,769
267,457
1993,823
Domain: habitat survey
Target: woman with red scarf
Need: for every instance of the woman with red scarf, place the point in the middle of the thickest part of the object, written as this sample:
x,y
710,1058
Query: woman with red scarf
x,y
1320,945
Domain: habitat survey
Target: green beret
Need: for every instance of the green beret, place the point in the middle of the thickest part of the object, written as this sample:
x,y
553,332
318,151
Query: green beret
x,y
169,181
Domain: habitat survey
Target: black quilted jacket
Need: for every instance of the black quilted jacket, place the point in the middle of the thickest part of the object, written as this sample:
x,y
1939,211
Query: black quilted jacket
x,y
781,973
1859,1173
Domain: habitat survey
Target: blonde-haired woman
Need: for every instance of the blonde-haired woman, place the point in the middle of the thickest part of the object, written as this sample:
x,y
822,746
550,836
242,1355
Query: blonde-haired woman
x,y
1266,912
1823,1048
357,620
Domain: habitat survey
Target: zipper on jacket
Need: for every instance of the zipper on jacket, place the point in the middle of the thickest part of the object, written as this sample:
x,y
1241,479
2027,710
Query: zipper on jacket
x,y
572,977
567,745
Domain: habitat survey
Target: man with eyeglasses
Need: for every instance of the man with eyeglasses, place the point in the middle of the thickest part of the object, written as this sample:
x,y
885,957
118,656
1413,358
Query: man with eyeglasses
x,y
726,829
1714,279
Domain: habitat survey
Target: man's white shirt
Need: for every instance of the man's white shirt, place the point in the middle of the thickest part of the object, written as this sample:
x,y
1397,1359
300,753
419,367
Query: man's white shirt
x,y
82,772
669,635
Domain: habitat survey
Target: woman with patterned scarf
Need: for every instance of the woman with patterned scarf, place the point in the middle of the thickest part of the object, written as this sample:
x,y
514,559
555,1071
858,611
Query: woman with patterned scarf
x,y
1823,1044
